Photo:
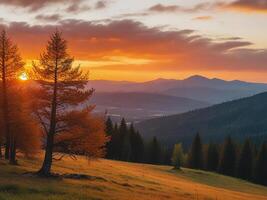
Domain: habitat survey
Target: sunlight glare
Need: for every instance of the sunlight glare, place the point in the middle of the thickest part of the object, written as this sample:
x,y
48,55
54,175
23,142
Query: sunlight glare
x,y
23,76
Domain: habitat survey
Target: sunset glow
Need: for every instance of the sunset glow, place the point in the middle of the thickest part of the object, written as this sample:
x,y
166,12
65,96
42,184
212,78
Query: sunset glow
x,y
155,39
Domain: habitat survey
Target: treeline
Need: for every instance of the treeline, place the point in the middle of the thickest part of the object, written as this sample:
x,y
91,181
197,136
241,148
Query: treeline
x,y
45,113
126,144
245,161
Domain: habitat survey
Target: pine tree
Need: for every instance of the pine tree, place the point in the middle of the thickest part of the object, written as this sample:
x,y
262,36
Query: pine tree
x,y
195,157
261,166
245,162
177,156
109,133
113,152
212,160
109,126
11,66
137,145
154,152
228,158
62,88
121,139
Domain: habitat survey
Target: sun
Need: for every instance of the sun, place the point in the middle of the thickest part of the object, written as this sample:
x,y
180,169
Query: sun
x,y
23,77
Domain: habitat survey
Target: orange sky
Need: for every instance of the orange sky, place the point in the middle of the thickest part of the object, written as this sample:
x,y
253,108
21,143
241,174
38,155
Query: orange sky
x,y
223,39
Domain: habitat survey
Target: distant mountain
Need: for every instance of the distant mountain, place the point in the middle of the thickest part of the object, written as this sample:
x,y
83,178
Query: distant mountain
x,y
241,118
136,106
195,87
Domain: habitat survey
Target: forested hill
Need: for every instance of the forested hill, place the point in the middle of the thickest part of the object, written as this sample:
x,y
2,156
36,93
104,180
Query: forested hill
x,y
241,118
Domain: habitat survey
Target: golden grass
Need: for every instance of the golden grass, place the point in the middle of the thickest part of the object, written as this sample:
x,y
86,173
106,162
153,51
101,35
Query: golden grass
x,y
119,181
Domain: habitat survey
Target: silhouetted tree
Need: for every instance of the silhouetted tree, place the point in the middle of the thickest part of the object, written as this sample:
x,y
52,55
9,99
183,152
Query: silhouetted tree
x,y
212,159
228,158
195,156
137,145
109,133
261,166
154,152
245,162
11,66
122,133
62,88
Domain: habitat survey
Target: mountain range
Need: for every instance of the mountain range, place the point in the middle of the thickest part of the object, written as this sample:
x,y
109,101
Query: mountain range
x,y
196,87
243,118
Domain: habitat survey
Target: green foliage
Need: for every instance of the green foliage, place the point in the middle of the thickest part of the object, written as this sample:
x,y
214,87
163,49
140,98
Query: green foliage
x,y
178,156
195,156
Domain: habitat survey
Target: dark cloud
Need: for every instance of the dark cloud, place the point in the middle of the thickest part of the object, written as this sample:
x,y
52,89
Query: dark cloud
x,y
48,18
169,50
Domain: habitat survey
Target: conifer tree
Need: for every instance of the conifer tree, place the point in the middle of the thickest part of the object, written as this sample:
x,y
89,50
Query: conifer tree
x,y
137,145
261,166
228,158
121,139
113,152
11,66
212,160
62,88
109,133
245,162
195,157
154,152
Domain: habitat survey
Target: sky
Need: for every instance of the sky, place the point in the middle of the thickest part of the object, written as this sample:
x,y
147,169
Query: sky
x,y
140,40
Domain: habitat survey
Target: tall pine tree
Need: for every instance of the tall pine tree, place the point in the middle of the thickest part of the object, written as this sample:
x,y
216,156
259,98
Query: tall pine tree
x,y
195,157
261,166
11,66
245,162
228,158
212,159
154,152
62,87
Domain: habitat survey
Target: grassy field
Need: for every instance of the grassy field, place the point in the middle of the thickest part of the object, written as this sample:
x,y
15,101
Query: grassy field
x,y
114,180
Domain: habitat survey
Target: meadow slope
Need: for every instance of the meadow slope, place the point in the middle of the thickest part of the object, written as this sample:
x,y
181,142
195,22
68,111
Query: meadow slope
x,y
113,180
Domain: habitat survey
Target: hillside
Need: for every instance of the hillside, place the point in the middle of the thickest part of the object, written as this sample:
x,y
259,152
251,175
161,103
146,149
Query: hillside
x,y
121,181
137,106
241,118
195,87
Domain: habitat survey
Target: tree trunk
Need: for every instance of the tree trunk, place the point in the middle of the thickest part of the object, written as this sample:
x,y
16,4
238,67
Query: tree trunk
x,y
46,167
5,106
12,156
1,150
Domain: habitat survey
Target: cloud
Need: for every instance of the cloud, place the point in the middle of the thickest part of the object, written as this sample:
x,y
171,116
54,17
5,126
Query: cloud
x,y
249,5
130,40
100,5
203,18
48,18
160,8
35,5
164,8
